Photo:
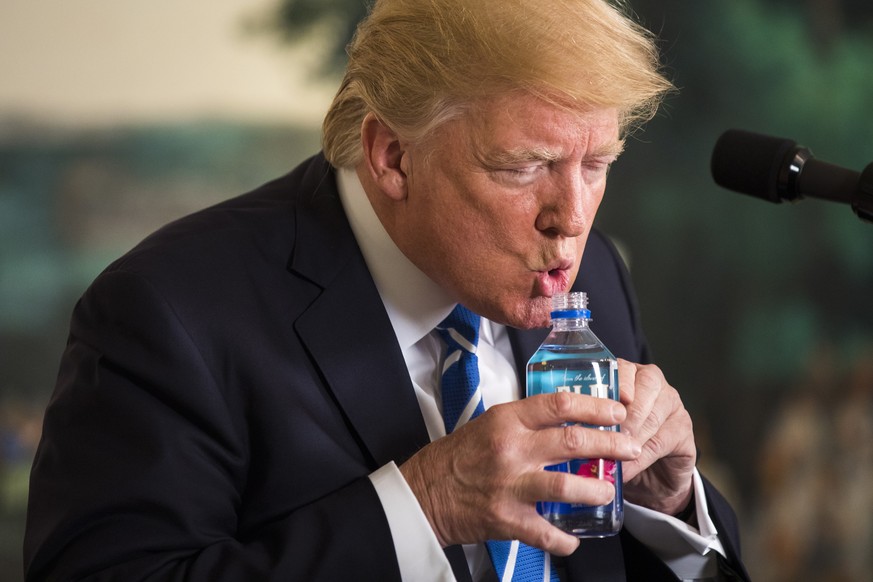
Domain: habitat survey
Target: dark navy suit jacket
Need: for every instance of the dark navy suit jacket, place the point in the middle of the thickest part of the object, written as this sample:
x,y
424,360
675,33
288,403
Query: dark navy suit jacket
x,y
226,389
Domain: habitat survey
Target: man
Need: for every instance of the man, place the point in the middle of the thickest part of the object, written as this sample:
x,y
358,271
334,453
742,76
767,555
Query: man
x,y
253,393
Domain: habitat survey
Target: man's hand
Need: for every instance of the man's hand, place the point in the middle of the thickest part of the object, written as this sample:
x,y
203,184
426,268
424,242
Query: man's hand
x,y
482,481
660,478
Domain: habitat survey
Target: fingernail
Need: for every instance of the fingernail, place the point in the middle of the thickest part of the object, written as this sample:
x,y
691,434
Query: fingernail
x,y
609,493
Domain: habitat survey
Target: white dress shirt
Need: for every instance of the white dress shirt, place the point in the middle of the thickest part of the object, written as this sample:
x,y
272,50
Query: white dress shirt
x,y
415,306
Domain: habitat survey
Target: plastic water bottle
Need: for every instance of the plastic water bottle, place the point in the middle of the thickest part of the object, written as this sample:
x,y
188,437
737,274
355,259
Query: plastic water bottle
x,y
572,359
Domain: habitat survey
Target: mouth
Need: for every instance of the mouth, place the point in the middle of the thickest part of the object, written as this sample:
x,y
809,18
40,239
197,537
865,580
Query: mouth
x,y
553,279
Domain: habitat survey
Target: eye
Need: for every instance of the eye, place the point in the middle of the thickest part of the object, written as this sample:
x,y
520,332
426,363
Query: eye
x,y
602,162
599,166
520,174
521,171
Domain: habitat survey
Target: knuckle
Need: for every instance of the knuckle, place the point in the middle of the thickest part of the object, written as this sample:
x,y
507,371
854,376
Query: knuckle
x,y
495,516
657,446
649,377
676,399
494,436
558,486
626,365
501,446
562,404
547,537
652,424
687,422
574,437
627,370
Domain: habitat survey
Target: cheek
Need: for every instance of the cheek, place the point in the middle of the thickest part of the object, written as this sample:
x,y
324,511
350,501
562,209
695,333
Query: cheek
x,y
509,220
490,222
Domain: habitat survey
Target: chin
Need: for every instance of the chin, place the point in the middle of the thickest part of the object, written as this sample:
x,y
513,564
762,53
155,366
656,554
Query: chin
x,y
545,321
530,314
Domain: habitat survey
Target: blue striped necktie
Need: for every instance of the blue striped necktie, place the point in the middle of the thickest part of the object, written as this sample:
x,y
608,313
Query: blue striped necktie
x,y
462,401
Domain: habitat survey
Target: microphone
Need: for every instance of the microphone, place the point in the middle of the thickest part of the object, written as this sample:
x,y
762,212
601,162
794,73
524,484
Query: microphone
x,y
777,169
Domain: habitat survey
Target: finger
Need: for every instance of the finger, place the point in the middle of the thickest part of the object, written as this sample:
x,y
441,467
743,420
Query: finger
x,y
546,410
559,444
673,444
565,488
664,411
560,487
674,440
649,408
526,525
539,533
626,373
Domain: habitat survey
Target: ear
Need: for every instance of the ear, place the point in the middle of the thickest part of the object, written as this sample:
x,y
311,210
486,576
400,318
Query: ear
x,y
384,157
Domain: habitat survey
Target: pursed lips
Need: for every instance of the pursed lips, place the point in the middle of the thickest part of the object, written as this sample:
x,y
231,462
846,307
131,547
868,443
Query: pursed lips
x,y
554,277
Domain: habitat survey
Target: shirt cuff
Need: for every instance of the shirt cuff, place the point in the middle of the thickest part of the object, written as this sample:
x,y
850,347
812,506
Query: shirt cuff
x,y
690,552
418,551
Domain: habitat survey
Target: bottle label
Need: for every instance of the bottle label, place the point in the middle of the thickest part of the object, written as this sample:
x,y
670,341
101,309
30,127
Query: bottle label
x,y
595,469
590,468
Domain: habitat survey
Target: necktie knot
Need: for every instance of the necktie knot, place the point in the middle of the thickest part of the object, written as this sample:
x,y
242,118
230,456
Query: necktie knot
x,y
460,329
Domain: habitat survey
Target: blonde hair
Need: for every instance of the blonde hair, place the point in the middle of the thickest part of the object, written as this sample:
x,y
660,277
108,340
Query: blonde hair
x,y
419,63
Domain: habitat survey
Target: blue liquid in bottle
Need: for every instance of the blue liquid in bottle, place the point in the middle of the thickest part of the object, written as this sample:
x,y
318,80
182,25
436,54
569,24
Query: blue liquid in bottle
x,y
572,359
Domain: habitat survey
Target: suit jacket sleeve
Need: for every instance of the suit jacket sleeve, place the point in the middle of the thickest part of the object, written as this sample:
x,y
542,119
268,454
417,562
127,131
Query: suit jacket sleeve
x,y
146,467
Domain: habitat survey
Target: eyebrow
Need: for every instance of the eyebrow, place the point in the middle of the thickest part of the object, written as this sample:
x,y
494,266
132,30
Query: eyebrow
x,y
520,155
542,154
610,149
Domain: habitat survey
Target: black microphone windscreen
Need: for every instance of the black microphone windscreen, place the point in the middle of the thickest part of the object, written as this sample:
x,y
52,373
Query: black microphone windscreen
x,y
750,162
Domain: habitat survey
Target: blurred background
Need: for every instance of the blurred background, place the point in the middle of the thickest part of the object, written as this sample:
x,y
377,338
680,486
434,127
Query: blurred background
x,y
115,118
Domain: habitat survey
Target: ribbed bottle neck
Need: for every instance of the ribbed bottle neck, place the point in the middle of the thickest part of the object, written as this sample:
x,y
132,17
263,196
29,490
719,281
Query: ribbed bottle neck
x,y
569,323
570,311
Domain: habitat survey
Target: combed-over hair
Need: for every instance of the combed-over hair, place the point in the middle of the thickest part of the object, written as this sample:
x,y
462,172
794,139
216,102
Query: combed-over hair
x,y
419,63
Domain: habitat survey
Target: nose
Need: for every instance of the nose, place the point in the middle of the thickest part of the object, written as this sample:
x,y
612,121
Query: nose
x,y
567,207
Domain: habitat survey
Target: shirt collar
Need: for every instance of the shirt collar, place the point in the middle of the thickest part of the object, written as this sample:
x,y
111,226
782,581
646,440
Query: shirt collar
x,y
415,304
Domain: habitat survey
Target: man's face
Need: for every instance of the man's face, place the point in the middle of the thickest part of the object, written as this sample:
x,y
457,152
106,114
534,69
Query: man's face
x,y
500,203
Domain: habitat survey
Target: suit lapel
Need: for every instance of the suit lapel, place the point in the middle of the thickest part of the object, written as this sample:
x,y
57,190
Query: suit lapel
x,y
347,330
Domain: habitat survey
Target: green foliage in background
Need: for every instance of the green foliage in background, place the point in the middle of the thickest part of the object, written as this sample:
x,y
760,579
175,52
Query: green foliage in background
x,y
296,19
